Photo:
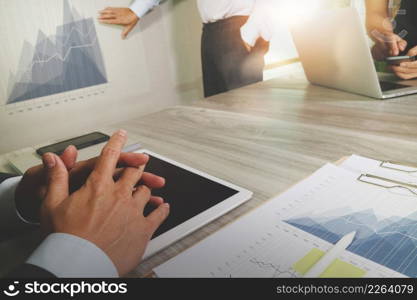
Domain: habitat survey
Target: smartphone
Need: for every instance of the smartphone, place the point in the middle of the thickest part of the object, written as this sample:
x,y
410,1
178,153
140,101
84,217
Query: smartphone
x,y
80,142
396,60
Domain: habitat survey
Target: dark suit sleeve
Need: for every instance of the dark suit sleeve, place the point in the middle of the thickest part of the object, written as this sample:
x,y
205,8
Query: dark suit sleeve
x,y
30,271
26,270
8,232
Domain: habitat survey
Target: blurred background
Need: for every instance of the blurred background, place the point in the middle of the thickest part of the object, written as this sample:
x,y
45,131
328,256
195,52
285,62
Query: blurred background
x,y
165,65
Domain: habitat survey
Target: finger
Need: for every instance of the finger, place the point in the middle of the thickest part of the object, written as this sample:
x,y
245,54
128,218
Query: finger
x,y
409,65
393,48
412,52
107,161
69,157
397,69
82,170
401,69
57,180
152,181
111,21
133,160
158,216
402,44
403,75
128,29
142,196
102,18
130,177
392,45
156,201
108,10
107,13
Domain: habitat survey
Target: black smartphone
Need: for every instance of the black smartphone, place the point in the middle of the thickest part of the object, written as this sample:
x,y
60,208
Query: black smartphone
x,y
80,142
396,60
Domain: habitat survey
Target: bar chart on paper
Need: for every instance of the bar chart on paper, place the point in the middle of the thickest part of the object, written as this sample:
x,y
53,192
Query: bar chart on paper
x,y
288,235
69,60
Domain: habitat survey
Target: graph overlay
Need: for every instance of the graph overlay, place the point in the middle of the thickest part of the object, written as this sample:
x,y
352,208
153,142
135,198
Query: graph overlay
x,y
69,60
287,235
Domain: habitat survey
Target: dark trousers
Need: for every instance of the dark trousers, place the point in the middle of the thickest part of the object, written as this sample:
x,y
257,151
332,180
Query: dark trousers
x,y
227,64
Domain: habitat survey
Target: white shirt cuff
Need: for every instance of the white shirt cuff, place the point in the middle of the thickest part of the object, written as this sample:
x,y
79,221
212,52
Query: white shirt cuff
x,y
69,256
142,7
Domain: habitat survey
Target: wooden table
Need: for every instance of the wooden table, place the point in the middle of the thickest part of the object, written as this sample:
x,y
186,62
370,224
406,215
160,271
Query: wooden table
x,y
267,136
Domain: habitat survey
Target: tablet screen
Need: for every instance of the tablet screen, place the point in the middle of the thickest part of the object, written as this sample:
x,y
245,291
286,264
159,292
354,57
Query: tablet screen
x,y
188,194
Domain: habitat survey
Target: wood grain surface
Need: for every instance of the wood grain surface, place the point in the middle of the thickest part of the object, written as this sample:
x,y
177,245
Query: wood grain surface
x,y
267,136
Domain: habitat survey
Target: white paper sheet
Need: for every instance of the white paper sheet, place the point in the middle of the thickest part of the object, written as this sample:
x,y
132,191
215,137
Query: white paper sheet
x,y
315,213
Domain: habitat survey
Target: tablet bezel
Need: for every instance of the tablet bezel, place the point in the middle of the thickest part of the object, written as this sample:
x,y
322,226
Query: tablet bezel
x,y
167,238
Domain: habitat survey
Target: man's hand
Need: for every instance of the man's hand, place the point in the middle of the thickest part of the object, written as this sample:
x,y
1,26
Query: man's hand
x,y
387,44
32,188
103,211
407,70
119,16
247,46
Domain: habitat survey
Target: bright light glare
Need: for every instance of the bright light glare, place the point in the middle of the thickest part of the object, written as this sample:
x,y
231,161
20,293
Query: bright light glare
x,y
289,12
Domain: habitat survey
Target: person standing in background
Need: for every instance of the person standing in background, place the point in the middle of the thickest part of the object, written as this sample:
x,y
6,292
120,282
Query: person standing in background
x,y
235,38
393,38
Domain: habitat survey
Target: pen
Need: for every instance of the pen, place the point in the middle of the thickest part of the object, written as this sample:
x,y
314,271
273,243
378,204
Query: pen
x,y
330,256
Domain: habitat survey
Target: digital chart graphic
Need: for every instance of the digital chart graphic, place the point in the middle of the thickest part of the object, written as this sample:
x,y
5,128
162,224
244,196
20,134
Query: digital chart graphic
x,y
391,241
69,60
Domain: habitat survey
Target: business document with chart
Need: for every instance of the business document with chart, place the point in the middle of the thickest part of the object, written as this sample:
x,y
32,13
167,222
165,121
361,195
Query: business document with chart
x,y
289,234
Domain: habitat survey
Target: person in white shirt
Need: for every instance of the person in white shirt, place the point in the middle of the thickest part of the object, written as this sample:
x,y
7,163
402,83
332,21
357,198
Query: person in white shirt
x,y
235,38
91,212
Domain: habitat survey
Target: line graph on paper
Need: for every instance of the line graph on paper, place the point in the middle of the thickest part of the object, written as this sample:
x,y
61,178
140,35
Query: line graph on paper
x,y
69,60
288,235
258,262
385,222
286,252
389,241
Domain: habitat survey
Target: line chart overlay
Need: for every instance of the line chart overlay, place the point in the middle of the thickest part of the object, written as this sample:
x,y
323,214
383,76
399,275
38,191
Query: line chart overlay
x,y
69,60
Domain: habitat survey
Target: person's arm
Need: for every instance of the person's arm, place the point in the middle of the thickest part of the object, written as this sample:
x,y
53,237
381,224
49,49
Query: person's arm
x,y
259,24
142,7
98,230
377,14
127,17
11,223
66,256
21,197
381,31
106,211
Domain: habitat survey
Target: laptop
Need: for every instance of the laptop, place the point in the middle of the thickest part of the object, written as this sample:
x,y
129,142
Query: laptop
x,y
335,52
